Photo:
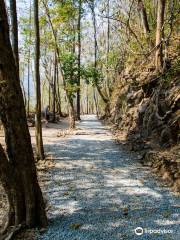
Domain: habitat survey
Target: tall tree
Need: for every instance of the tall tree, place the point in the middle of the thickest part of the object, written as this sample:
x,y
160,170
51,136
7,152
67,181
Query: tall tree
x,y
17,169
79,62
104,98
58,95
108,47
14,31
29,61
39,140
159,35
54,87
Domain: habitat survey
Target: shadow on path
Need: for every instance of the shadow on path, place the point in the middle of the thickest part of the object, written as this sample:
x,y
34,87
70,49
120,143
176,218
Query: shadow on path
x,y
99,191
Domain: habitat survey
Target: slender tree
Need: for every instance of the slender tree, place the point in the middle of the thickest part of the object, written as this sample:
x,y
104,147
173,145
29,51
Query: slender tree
x,y
87,100
159,35
39,140
108,47
79,62
14,31
17,168
104,98
54,87
58,95
29,61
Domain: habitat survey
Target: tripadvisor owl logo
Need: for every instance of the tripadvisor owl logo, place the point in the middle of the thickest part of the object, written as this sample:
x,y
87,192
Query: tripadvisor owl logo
x,y
139,231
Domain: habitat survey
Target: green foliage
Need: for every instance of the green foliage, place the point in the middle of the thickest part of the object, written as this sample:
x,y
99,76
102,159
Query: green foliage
x,y
171,73
64,11
70,70
127,43
92,75
26,30
42,21
151,13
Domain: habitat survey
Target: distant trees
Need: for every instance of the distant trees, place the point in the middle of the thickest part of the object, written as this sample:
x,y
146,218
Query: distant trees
x,y
68,85
96,80
117,35
70,75
17,168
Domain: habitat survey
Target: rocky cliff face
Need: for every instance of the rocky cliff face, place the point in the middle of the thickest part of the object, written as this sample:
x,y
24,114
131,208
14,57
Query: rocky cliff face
x,y
145,107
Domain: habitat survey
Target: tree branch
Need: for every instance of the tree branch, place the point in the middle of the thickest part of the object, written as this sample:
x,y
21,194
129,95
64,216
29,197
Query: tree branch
x,y
126,25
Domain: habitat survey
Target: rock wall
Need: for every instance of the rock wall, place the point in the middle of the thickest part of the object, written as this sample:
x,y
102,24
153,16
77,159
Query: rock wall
x,y
146,107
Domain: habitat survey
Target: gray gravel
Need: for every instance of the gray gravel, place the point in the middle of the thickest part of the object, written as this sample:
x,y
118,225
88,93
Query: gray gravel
x,y
98,191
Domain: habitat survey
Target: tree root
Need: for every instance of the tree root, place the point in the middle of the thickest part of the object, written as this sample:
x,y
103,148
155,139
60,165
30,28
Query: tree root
x,y
8,223
12,232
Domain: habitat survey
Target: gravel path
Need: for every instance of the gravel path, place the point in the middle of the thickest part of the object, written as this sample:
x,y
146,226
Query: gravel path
x,y
98,191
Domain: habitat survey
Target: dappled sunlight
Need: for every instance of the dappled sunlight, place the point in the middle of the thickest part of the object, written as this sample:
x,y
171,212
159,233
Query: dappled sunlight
x,y
101,187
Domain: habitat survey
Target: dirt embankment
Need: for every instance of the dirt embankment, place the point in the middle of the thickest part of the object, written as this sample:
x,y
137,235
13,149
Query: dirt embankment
x,y
145,112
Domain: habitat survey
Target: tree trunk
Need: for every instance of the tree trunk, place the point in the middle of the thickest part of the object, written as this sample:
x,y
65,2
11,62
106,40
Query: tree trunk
x,y
54,88
6,180
92,6
144,18
95,102
79,63
29,63
39,140
58,93
28,78
108,48
87,100
14,31
18,171
22,84
71,115
159,35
